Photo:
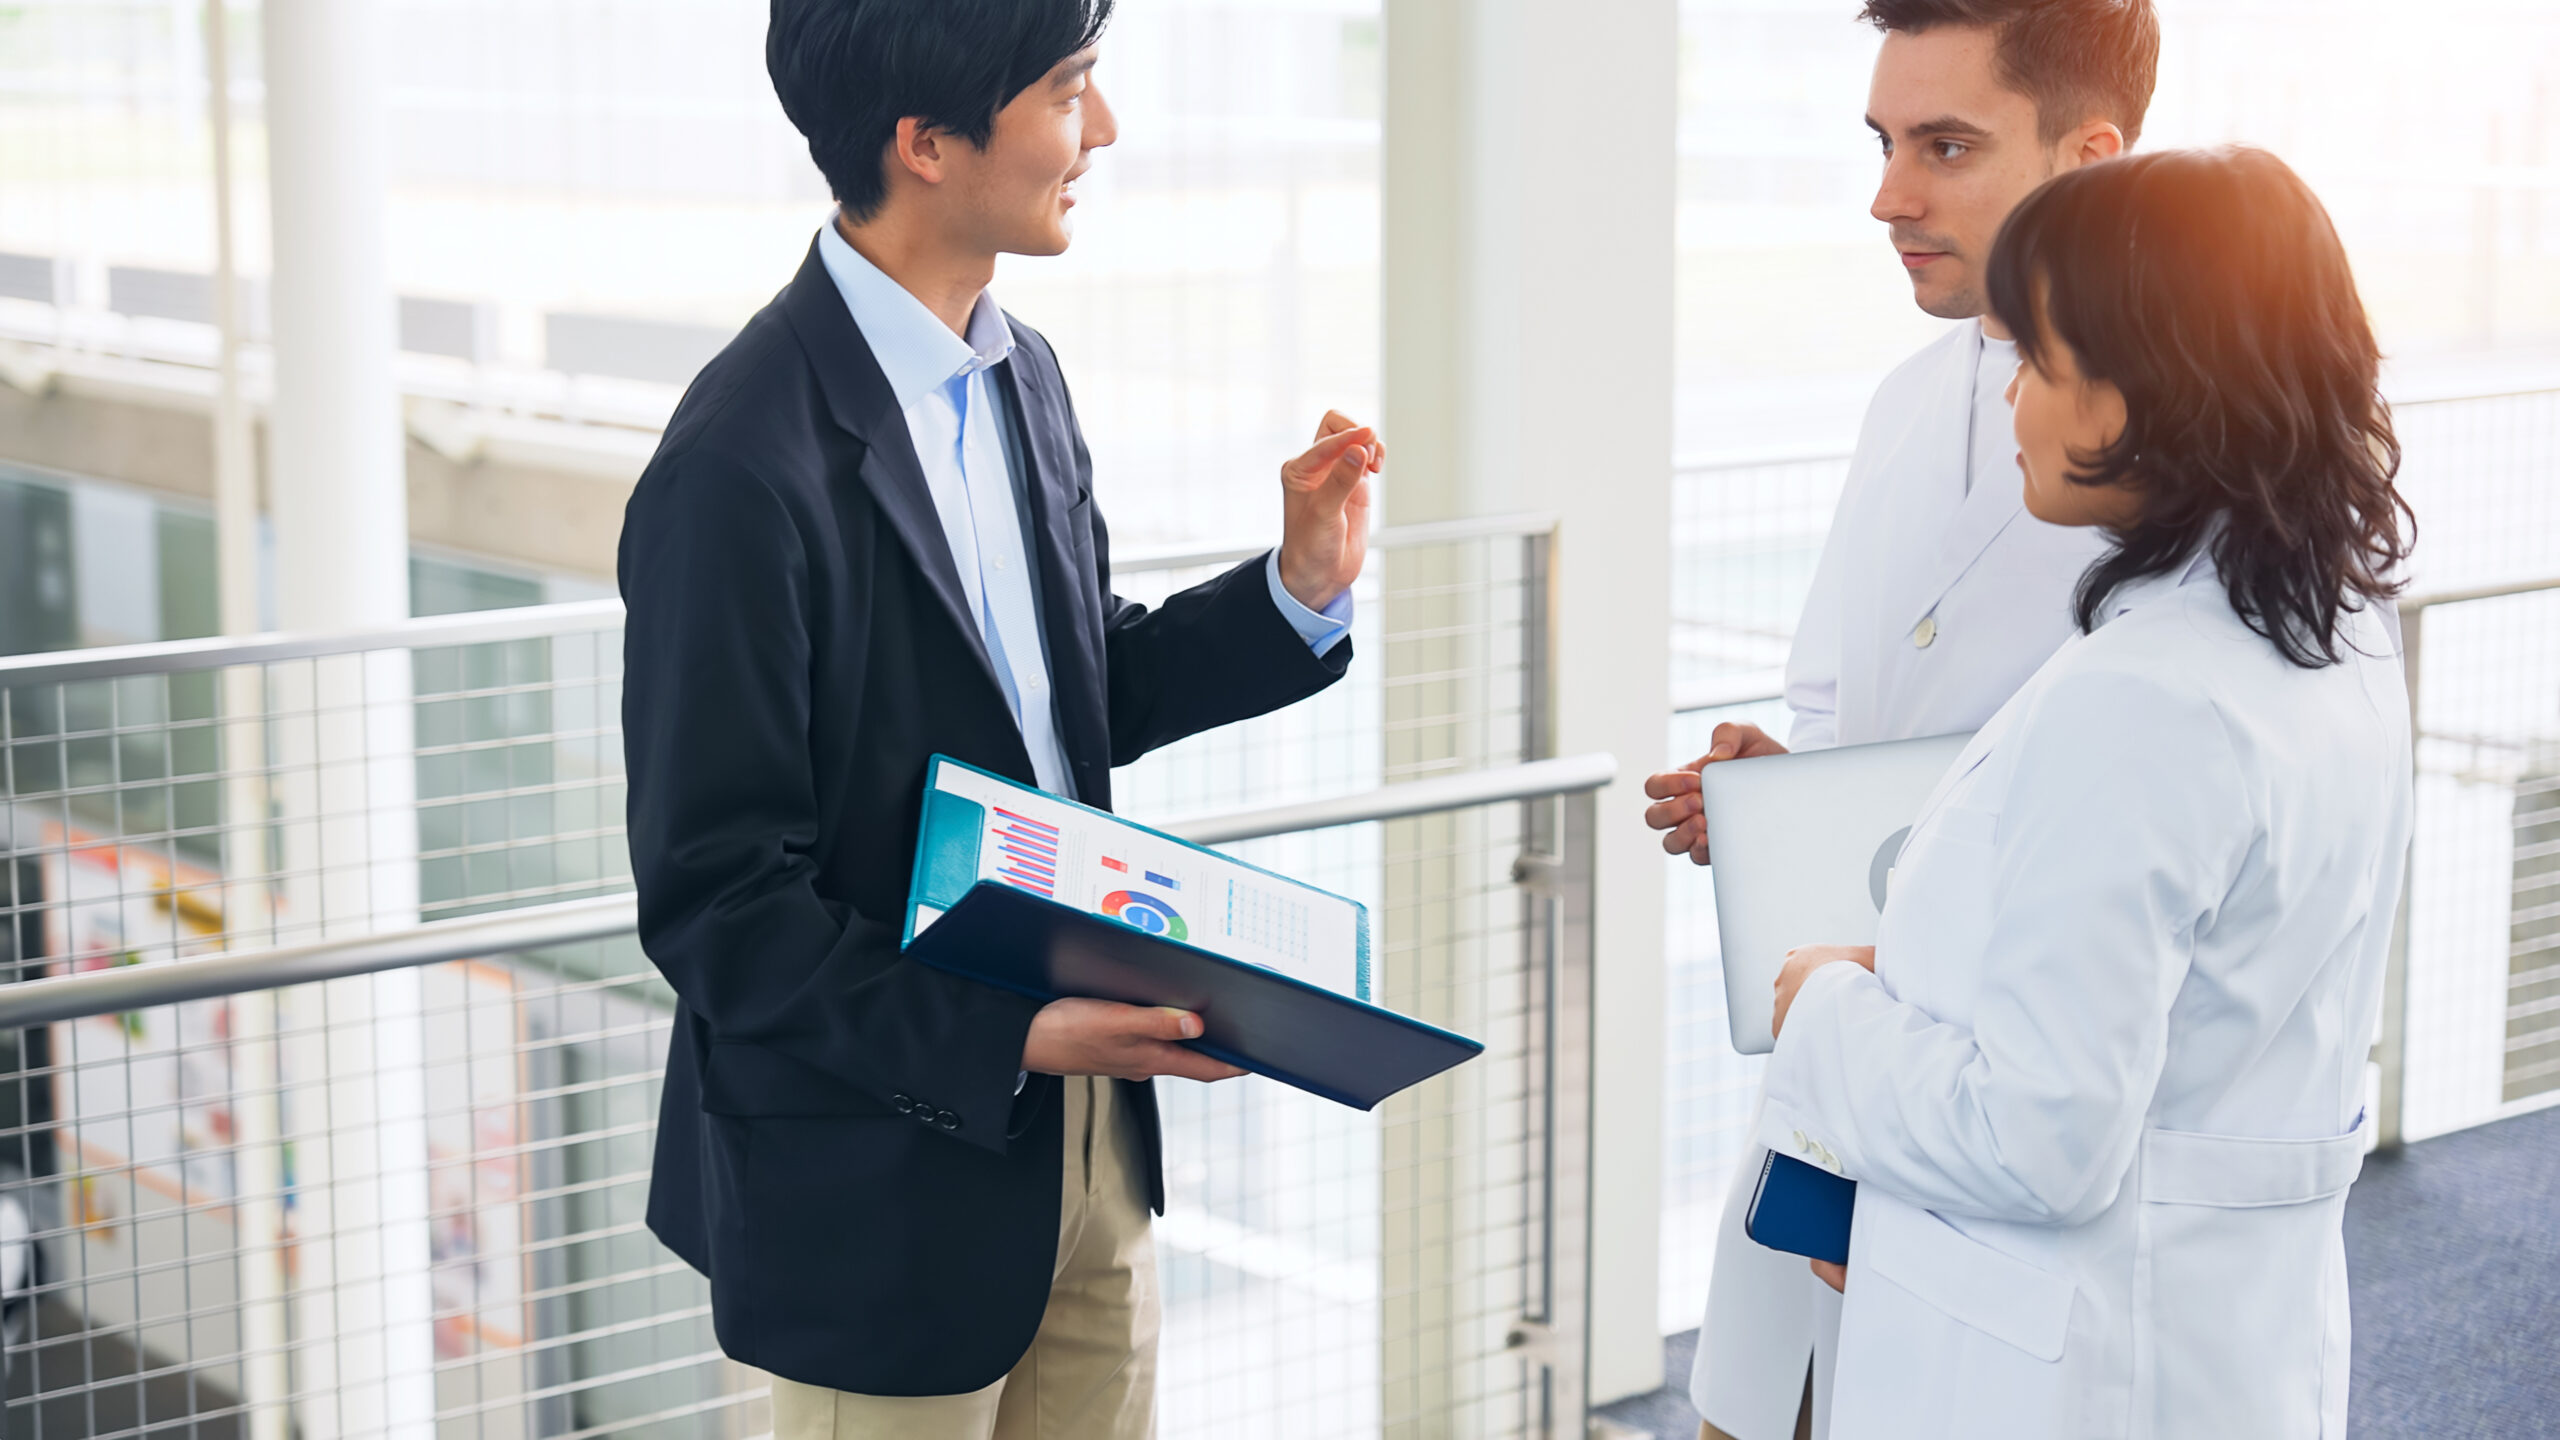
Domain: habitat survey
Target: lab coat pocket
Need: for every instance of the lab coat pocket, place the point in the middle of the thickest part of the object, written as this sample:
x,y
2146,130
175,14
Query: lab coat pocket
x,y
2021,1305
2238,1278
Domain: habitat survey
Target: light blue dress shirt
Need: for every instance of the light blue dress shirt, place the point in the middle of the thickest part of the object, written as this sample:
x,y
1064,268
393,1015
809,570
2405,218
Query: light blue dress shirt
x,y
964,440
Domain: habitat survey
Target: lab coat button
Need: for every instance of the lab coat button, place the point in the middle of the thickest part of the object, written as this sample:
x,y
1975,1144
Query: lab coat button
x,y
1926,635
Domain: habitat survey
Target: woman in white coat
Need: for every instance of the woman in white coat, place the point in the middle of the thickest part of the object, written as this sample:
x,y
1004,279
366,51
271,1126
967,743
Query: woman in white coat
x,y
2101,1078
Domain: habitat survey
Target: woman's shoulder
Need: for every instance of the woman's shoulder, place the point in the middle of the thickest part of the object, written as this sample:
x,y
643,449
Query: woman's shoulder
x,y
2187,669
2168,657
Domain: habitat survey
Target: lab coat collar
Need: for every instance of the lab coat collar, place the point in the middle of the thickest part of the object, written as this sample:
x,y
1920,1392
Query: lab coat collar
x,y
2196,569
1944,462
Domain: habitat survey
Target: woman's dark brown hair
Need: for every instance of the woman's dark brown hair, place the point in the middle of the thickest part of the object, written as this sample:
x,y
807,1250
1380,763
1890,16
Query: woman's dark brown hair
x,y
2210,288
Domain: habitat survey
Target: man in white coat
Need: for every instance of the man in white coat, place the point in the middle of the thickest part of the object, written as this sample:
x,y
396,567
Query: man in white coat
x,y
1937,595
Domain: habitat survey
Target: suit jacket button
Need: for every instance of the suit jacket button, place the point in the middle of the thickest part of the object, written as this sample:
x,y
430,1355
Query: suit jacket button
x,y
906,1103
947,1120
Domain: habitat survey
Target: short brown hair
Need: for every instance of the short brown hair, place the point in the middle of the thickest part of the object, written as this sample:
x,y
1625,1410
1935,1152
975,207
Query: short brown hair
x,y
2077,59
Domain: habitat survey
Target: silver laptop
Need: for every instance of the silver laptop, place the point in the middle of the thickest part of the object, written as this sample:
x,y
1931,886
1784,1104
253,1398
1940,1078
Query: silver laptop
x,y
1802,847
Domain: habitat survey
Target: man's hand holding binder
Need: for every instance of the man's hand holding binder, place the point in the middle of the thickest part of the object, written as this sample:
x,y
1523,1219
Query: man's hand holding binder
x,y
1077,1036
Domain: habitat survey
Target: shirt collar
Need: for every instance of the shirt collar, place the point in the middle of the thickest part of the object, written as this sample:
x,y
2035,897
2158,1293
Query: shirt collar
x,y
916,351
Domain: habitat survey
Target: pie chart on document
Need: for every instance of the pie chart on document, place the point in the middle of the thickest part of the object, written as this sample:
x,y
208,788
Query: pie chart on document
x,y
1145,912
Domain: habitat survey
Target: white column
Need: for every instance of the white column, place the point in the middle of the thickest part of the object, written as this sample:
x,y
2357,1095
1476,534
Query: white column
x,y
355,1102
1528,352
336,480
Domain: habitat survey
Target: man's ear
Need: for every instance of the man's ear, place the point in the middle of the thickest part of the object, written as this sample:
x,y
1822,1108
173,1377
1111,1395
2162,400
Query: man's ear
x,y
2098,140
917,149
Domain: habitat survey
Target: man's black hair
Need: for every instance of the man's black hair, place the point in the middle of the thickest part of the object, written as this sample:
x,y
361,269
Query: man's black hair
x,y
847,71
2079,60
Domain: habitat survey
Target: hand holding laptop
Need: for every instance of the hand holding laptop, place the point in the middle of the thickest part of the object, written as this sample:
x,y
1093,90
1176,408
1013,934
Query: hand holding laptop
x,y
1813,840
1680,812
1802,962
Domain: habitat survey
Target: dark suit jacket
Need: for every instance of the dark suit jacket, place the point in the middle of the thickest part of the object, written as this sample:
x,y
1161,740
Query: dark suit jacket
x,y
840,1147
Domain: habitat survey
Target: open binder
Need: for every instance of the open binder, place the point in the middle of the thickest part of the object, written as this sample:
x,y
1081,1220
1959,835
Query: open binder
x,y
1023,890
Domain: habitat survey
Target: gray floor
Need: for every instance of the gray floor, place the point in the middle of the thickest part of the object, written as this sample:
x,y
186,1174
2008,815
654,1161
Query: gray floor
x,y
2453,1253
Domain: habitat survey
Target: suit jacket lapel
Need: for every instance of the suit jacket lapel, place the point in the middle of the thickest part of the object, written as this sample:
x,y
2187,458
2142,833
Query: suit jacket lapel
x,y
1069,591
859,398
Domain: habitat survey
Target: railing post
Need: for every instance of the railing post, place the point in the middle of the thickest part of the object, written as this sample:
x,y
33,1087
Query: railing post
x,y
1537,646
258,1169
1570,959
2391,1051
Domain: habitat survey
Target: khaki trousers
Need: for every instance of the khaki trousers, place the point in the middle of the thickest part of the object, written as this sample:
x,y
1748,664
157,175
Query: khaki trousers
x,y
1091,1371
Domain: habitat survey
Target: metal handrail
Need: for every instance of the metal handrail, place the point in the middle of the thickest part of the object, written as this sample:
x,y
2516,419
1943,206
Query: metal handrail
x,y
534,622
1724,692
1537,780
2411,604
165,657
138,987
1836,451
536,927
1156,559
1759,686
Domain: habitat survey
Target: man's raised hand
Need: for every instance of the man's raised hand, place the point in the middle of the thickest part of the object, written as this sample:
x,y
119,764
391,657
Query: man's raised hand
x,y
1324,497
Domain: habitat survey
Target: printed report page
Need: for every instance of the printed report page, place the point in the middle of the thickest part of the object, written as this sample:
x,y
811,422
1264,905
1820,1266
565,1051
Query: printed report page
x,y
1106,866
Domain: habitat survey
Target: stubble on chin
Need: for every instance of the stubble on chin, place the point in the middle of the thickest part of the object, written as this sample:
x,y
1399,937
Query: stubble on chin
x,y
1965,304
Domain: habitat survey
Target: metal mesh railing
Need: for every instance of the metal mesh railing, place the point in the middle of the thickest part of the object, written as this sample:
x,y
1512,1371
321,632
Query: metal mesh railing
x,y
1415,1271
2472,1031
406,1203
409,1202
180,799
2482,1036
1451,627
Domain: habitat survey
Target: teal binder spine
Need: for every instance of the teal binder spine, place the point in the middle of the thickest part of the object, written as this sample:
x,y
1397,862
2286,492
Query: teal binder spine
x,y
946,854
1363,972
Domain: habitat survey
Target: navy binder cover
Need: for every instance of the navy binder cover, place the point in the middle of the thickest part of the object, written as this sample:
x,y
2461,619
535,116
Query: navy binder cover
x,y
1257,1018
1802,1210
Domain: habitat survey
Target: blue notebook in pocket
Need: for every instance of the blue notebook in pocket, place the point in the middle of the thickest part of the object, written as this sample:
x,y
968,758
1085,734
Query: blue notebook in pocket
x,y
1802,1209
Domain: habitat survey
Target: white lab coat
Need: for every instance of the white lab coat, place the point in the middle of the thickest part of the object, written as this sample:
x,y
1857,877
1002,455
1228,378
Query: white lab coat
x,y
2103,1093
1908,545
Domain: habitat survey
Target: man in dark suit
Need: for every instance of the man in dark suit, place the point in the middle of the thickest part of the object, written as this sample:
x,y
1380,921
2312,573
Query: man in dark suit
x,y
869,536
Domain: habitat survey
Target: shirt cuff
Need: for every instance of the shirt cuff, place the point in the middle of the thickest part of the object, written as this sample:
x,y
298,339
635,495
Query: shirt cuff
x,y
1321,629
